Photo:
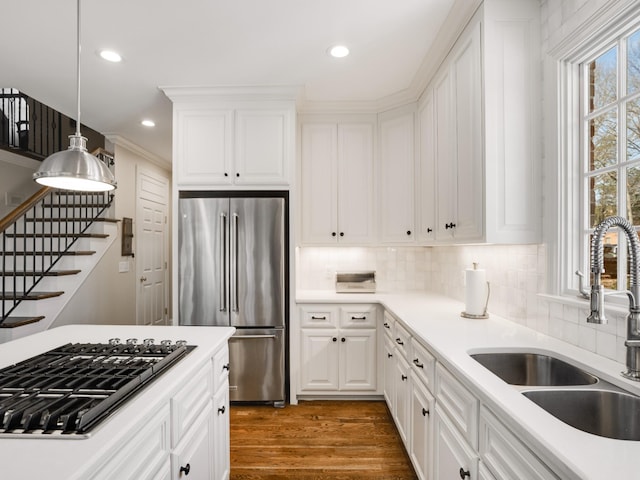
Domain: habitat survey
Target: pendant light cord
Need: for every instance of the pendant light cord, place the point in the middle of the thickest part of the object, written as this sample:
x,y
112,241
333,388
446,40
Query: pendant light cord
x,y
78,71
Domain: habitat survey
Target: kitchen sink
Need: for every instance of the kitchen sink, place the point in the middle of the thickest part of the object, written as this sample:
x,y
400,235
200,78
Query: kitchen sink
x,y
605,413
533,369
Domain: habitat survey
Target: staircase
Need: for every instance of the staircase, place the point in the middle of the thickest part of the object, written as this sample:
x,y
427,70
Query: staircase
x,y
48,245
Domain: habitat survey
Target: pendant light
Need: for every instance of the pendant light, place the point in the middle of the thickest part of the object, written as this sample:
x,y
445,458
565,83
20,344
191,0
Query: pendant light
x,y
75,168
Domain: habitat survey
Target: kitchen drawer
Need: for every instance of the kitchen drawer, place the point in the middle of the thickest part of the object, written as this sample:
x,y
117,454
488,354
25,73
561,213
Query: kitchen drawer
x,y
505,455
318,316
459,403
220,367
402,340
187,404
388,324
358,316
423,364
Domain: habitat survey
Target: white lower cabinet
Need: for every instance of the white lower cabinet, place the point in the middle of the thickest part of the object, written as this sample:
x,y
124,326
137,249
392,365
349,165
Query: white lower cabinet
x,y
193,456
505,455
389,366
338,349
403,398
422,412
453,457
221,440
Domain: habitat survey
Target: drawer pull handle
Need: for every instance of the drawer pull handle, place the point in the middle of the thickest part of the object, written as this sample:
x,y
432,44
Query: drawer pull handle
x,y
386,325
425,412
358,318
464,473
186,469
225,367
222,409
399,342
403,377
417,363
313,317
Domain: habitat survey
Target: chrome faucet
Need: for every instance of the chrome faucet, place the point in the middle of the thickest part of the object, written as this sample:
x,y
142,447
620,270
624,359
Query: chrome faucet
x,y
597,290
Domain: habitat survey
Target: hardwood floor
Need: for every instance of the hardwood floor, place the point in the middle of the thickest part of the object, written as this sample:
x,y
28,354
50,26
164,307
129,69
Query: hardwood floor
x,y
337,440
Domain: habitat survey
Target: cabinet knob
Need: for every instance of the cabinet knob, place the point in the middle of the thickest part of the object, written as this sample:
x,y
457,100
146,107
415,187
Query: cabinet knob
x,y
186,469
425,412
447,226
333,234
225,367
222,409
335,339
403,377
429,230
389,355
237,174
417,363
399,342
342,234
408,232
343,339
464,473
226,174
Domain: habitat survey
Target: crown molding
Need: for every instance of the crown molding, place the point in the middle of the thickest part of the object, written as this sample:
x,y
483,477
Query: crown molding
x,y
138,150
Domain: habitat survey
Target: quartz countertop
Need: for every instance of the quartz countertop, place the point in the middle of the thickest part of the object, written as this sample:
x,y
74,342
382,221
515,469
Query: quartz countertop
x,y
53,458
436,321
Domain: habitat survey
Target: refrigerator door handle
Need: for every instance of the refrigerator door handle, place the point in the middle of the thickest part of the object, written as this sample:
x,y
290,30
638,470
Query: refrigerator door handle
x,y
223,262
234,263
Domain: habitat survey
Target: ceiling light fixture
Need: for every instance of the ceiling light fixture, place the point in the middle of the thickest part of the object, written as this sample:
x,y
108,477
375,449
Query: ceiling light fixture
x,y
75,168
110,56
338,51
148,123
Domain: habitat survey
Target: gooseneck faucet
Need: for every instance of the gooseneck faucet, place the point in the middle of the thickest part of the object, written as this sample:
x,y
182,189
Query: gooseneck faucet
x,y
597,290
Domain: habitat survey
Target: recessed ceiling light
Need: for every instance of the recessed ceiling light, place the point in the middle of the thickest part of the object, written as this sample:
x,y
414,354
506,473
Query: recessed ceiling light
x,y
148,123
110,56
338,51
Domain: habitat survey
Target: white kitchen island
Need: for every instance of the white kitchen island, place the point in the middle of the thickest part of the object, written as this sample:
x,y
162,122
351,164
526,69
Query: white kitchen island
x,y
502,434
179,419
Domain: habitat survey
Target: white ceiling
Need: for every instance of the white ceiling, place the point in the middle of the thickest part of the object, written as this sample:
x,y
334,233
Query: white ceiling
x,y
209,43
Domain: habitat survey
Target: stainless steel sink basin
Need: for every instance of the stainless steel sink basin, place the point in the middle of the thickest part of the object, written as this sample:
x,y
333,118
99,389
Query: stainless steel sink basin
x,y
600,412
533,369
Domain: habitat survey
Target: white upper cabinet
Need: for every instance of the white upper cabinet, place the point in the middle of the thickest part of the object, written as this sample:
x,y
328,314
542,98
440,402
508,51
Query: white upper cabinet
x,y
485,101
396,202
427,167
226,138
337,167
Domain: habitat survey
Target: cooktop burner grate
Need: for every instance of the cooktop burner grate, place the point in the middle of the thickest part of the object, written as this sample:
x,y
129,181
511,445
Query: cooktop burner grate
x,y
69,390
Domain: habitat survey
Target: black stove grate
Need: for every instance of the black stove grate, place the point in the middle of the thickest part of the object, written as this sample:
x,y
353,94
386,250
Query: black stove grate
x,y
71,389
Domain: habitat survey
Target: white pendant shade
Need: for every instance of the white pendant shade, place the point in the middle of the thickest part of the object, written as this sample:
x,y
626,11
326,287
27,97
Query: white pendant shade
x,y
75,169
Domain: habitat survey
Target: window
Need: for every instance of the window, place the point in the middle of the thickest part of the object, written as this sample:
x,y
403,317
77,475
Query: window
x,y
610,149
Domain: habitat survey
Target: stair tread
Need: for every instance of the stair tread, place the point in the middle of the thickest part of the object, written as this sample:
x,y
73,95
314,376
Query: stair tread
x,y
49,253
57,235
30,295
12,322
50,273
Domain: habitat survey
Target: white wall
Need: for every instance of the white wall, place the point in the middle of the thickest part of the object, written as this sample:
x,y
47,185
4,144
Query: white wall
x,y
109,297
16,183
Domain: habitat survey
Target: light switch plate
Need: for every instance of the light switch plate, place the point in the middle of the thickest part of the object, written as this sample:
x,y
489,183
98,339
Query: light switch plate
x,y
123,267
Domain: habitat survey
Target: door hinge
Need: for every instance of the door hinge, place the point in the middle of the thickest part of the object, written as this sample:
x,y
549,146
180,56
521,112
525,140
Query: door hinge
x,y
166,311
165,265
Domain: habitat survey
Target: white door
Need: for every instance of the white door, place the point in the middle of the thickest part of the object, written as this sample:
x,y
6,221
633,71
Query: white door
x,y
151,249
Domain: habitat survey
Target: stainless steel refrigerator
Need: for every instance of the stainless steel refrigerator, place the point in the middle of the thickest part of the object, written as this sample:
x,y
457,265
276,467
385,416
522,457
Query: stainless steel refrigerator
x,y
233,254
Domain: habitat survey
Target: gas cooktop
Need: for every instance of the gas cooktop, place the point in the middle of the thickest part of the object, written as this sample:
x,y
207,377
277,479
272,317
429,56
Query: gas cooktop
x,y
69,390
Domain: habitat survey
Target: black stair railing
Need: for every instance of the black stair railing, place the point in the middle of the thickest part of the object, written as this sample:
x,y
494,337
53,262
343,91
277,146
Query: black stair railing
x,y
37,234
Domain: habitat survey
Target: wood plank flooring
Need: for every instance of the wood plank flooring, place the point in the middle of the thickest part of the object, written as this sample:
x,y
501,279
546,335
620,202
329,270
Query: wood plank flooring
x,y
314,440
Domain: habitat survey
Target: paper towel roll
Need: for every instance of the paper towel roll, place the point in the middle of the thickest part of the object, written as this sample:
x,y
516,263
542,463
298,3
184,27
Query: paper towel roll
x,y
475,295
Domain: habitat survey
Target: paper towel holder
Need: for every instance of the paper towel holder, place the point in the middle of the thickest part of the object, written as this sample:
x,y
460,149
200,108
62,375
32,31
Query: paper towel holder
x,y
483,315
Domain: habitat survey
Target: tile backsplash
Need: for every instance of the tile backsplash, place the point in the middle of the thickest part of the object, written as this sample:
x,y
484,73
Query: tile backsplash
x,y
516,273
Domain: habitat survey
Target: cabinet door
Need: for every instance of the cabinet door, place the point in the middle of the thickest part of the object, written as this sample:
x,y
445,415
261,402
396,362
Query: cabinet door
x,y
427,152
204,147
446,187
193,456
221,440
397,177
319,369
262,147
453,458
389,366
358,359
355,183
422,410
466,98
403,398
319,183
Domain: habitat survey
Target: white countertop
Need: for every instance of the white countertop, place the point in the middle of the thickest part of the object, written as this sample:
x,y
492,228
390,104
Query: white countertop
x,y
30,458
437,322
